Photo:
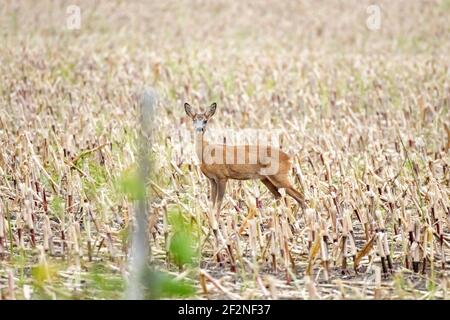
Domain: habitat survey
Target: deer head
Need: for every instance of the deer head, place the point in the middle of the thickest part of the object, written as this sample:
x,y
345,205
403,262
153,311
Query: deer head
x,y
200,120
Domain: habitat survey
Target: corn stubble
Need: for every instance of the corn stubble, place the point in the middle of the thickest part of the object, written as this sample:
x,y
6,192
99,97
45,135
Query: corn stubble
x,y
369,131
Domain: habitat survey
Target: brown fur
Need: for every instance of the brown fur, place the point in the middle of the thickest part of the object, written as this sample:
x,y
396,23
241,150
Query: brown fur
x,y
240,168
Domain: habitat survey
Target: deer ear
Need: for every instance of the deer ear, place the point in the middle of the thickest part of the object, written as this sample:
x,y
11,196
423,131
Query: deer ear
x,y
211,111
188,109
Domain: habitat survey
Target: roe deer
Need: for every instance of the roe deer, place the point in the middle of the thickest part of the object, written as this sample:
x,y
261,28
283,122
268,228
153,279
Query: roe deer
x,y
238,167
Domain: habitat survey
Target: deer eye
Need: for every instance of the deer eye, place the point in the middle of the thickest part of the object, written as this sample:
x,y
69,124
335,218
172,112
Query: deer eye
x,y
204,121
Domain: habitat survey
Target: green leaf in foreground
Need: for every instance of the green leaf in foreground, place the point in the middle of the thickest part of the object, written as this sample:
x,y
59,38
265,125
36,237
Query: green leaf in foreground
x,y
107,284
183,242
131,185
162,285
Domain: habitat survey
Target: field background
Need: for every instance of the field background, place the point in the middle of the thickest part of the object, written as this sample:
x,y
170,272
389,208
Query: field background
x,y
366,113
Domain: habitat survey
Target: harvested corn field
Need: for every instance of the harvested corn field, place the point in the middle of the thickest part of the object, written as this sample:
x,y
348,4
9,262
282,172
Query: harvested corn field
x,y
358,93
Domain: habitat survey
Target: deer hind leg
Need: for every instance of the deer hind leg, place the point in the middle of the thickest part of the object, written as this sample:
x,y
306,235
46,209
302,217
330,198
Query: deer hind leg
x,y
297,196
283,182
221,187
213,186
271,187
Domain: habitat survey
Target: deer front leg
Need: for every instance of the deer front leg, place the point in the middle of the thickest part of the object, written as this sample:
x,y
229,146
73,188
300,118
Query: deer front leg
x,y
221,186
213,186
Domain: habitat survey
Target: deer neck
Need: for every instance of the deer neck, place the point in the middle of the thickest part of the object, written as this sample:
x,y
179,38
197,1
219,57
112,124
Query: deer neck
x,y
200,144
